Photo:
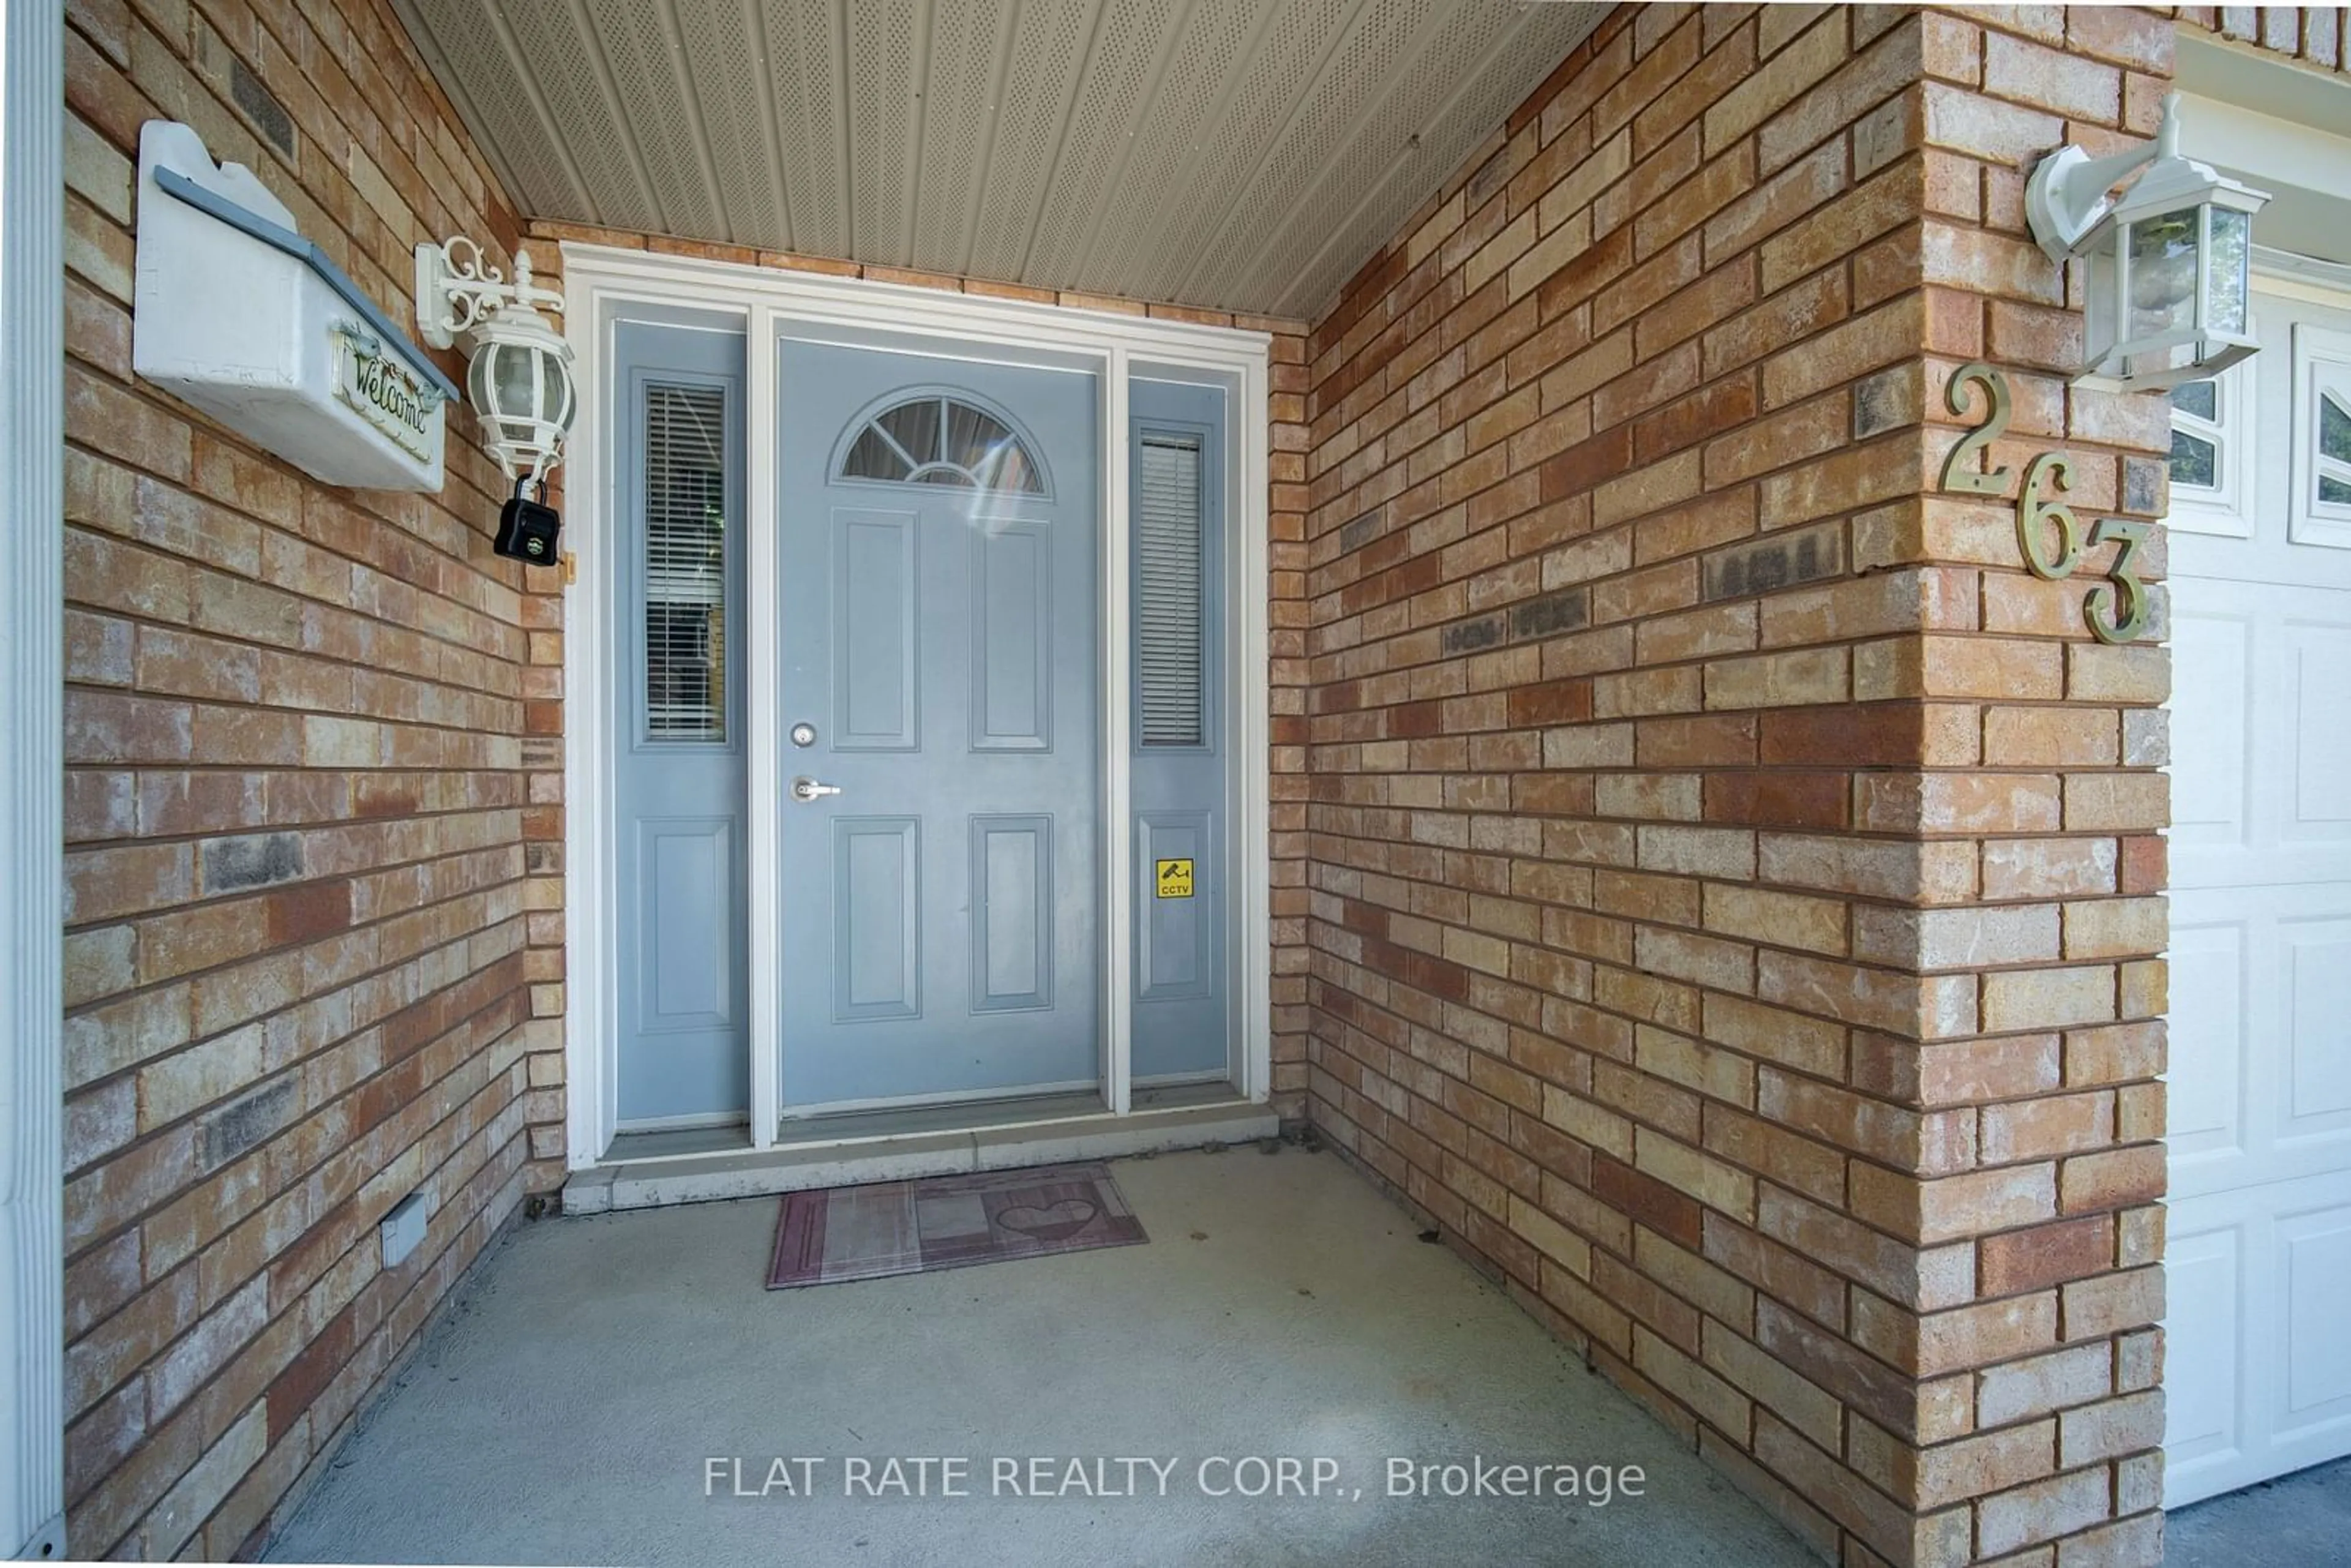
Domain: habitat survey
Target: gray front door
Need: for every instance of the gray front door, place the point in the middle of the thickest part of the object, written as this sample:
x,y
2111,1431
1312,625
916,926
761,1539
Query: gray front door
x,y
939,526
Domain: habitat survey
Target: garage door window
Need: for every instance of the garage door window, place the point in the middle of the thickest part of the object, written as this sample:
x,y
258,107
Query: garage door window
x,y
2322,436
2211,455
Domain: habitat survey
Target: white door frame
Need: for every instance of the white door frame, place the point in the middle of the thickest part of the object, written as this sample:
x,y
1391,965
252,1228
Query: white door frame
x,y
32,783
597,277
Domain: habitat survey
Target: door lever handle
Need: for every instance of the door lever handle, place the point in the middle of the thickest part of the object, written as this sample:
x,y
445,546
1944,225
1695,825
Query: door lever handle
x,y
807,789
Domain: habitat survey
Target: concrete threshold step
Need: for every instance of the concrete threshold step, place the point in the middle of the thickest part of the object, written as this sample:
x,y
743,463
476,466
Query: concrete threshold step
x,y
752,1172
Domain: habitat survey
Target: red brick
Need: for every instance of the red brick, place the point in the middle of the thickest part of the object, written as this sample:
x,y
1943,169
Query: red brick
x,y
1777,799
1648,1201
307,912
1855,736
2045,1255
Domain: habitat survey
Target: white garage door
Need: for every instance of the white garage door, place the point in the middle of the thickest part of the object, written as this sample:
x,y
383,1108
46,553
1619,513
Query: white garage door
x,y
2258,1360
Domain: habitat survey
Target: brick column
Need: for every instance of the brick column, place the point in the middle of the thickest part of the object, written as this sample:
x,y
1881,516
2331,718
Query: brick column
x,y
1288,674
2038,778
1731,870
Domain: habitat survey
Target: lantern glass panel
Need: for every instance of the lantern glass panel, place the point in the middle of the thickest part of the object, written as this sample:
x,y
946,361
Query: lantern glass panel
x,y
481,388
516,374
2232,255
2162,273
555,390
2103,328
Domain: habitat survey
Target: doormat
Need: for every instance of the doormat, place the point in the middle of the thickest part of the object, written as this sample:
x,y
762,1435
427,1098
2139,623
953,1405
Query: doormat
x,y
948,1222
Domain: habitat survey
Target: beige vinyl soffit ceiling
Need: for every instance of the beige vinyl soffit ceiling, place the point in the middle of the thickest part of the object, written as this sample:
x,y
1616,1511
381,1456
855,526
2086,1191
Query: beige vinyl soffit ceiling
x,y
1239,154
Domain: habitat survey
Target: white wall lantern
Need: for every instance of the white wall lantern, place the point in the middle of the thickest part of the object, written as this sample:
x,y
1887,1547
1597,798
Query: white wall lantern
x,y
519,377
2169,258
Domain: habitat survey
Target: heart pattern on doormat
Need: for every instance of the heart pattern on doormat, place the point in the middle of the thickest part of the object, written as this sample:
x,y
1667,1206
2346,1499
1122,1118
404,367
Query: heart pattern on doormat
x,y
1058,1222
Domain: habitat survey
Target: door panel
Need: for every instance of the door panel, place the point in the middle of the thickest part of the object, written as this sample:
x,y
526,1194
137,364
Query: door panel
x,y
2313,1261
2318,987
2205,1101
877,892
939,537
874,611
688,983
1179,939
1012,640
2259,1247
679,767
1014,918
2204,1287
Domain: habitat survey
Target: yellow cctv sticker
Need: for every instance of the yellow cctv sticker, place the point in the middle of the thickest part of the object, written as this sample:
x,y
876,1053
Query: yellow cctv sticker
x,y
1174,879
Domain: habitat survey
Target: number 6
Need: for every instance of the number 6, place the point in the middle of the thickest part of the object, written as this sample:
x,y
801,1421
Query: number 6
x,y
2031,512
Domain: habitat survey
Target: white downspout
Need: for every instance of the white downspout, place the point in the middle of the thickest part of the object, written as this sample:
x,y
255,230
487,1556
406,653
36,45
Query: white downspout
x,y
32,779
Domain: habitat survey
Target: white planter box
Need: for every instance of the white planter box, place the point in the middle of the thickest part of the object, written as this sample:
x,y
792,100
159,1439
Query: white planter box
x,y
238,314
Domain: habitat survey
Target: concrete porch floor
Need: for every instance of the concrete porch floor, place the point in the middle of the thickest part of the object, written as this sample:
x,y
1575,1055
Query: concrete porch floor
x,y
563,1410
2303,1519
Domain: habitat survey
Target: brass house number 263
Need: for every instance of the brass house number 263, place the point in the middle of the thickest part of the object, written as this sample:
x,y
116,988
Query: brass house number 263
x,y
2046,529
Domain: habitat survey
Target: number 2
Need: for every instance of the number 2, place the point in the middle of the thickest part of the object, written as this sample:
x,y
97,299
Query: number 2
x,y
1960,471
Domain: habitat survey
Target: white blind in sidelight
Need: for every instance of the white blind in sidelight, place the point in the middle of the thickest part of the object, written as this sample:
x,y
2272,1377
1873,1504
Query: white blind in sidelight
x,y
1170,678
686,563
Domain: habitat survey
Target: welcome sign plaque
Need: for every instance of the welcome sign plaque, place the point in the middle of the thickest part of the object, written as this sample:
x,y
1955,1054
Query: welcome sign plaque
x,y
388,395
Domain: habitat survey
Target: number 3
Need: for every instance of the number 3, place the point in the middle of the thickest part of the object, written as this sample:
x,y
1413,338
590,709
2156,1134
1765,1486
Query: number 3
x,y
2100,610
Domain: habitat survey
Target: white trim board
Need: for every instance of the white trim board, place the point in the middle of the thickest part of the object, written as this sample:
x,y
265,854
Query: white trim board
x,y
2218,130
2307,277
2227,70
596,278
32,820
2303,162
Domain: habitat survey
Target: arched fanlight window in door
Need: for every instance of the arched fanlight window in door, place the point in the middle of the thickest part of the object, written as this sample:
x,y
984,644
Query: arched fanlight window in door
x,y
937,438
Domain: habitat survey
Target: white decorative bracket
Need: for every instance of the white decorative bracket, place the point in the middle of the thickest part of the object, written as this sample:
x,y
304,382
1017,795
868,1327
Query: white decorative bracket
x,y
2068,191
457,289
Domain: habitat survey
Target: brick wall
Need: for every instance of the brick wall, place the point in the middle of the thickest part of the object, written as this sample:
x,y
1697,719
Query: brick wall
x,y
1286,562
2317,35
1733,877
311,744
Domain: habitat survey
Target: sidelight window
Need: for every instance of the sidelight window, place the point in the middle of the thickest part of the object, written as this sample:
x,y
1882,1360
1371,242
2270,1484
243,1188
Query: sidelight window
x,y
686,563
1170,668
